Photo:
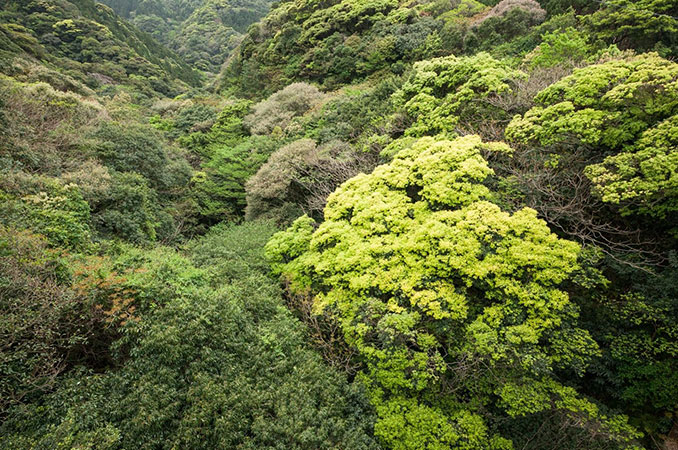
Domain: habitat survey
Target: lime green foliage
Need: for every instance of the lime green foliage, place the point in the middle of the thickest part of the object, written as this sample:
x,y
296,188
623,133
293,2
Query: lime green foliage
x,y
626,105
644,177
442,92
216,362
608,104
639,24
409,425
436,286
566,48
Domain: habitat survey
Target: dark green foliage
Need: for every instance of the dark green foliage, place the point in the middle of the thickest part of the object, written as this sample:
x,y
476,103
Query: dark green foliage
x,y
202,32
506,21
333,45
634,318
218,366
127,209
219,188
231,252
137,148
194,116
89,41
46,325
355,116
228,129
643,25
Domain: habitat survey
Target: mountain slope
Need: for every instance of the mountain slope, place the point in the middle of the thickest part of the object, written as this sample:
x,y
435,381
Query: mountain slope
x,y
203,32
90,43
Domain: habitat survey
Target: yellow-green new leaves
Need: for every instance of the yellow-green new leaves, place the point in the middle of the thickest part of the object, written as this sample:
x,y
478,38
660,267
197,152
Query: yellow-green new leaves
x,y
627,105
608,104
435,286
435,430
440,89
645,178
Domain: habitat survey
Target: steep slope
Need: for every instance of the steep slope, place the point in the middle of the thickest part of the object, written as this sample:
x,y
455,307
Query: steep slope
x,y
89,43
480,201
337,42
203,32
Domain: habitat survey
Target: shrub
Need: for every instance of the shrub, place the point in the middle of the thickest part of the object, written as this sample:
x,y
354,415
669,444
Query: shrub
x,y
280,108
532,7
272,185
45,127
220,188
46,326
565,48
191,380
134,148
127,210
605,105
299,177
49,207
640,24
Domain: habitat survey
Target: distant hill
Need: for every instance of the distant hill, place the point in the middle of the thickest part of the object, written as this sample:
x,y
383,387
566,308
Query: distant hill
x,y
86,42
203,32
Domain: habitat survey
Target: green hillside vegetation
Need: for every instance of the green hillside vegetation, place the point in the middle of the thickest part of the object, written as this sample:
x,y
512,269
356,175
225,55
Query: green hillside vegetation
x,y
443,224
203,32
86,43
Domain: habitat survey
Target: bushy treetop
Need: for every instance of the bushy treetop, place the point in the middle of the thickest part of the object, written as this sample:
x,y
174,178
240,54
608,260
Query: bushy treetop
x,y
432,284
440,89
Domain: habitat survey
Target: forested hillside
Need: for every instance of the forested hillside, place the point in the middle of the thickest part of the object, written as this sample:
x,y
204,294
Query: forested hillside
x,y
203,32
438,224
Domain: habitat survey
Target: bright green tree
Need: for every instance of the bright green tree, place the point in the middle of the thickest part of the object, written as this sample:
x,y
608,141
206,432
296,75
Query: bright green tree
x,y
454,306
626,107
643,178
607,105
443,91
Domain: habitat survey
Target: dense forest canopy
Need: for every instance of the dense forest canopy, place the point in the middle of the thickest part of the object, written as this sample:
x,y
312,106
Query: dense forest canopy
x,y
203,32
346,224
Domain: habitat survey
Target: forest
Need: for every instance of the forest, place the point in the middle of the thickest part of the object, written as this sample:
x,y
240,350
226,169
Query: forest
x,y
339,224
